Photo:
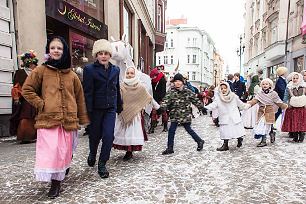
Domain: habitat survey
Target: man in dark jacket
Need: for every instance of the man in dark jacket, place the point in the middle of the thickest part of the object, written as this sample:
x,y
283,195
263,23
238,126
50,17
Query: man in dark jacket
x,y
103,100
159,92
230,78
238,86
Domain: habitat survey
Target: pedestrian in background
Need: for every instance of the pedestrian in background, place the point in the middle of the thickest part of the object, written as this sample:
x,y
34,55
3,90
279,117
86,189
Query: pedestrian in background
x,y
231,126
267,98
230,78
295,117
130,134
103,100
22,120
303,73
178,100
56,91
239,86
159,92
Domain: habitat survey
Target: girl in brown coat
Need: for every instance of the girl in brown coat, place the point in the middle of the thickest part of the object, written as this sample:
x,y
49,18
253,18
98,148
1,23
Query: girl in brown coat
x,y
267,100
56,91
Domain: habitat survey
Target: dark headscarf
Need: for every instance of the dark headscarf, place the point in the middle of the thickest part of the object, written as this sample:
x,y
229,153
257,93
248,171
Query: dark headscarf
x,y
65,61
255,82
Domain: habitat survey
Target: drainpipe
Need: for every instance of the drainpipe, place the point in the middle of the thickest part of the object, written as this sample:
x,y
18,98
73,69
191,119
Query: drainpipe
x,y
12,32
287,33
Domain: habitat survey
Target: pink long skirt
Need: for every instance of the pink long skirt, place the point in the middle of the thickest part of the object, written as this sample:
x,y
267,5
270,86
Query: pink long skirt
x,y
53,153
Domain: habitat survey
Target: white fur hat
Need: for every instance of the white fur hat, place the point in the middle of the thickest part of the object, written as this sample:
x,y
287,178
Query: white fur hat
x,y
268,80
102,45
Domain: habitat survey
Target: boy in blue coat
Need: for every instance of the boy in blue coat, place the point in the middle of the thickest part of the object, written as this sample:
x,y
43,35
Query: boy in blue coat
x,y
103,100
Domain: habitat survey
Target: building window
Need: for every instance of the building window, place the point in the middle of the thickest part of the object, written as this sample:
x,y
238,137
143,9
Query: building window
x,y
195,42
194,59
188,42
171,45
159,60
193,76
273,27
159,18
127,21
165,59
298,64
188,75
264,40
188,59
171,60
166,44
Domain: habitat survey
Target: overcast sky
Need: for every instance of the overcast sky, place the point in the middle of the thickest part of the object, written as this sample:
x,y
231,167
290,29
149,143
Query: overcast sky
x,y
222,19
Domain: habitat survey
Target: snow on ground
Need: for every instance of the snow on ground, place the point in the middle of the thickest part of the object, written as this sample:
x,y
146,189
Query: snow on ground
x,y
272,174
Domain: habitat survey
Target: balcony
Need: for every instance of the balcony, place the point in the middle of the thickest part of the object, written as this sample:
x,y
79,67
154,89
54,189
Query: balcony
x,y
274,51
160,39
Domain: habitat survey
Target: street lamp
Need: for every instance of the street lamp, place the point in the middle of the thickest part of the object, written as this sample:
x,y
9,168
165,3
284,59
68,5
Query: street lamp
x,y
240,50
216,70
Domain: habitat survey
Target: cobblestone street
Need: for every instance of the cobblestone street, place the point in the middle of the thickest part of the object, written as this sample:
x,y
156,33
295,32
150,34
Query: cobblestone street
x,y
273,174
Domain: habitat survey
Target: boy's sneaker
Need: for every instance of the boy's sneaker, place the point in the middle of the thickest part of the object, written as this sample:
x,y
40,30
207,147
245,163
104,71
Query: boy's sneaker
x,y
169,150
200,145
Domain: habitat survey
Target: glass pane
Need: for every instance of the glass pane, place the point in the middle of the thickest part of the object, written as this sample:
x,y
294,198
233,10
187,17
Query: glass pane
x,y
93,8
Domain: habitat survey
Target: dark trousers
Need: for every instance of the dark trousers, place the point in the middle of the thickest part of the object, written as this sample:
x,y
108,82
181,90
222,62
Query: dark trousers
x,y
102,127
187,127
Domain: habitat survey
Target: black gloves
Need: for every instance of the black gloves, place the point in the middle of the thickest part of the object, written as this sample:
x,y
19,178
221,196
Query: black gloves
x,y
160,111
119,109
204,111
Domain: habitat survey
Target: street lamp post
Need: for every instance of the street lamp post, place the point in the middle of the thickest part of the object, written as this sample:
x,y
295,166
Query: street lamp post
x,y
240,50
216,70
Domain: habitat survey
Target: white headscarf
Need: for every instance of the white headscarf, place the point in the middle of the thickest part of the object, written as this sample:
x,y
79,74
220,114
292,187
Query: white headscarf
x,y
299,83
133,81
228,96
302,73
267,80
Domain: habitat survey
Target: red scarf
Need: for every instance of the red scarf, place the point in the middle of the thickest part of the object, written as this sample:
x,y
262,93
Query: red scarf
x,y
158,77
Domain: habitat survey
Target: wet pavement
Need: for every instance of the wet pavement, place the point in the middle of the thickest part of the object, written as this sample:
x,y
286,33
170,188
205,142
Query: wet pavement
x,y
272,174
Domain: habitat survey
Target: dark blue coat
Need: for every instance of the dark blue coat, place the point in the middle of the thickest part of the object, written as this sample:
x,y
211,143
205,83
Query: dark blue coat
x,y
101,89
239,88
280,87
231,85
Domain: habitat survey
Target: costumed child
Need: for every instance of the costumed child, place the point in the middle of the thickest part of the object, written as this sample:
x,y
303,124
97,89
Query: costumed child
x,y
303,73
295,117
231,126
22,120
56,91
267,99
130,134
178,100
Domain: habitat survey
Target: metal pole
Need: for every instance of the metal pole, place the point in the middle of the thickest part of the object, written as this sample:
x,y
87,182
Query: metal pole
x,y
240,54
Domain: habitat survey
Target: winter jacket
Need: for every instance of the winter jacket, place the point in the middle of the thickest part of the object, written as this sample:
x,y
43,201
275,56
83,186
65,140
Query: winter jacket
x,y
231,85
280,87
268,111
239,88
102,90
58,96
228,110
159,89
179,104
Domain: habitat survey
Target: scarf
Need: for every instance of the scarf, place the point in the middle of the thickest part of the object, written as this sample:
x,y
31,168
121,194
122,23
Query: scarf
x,y
133,81
269,99
255,82
134,98
65,61
28,70
228,96
158,77
299,83
266,91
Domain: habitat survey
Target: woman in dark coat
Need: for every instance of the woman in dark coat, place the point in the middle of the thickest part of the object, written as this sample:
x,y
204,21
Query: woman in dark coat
x,y
22,120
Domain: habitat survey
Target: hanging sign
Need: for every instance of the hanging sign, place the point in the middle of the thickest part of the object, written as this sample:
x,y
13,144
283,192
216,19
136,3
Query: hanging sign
x,y
303,27
76,18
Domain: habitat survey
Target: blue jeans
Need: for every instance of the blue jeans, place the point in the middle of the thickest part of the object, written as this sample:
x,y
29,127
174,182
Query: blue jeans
x,y
102,127
187,127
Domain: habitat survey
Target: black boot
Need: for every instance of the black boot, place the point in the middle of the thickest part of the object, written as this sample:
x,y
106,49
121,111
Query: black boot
x,y
240,139
272,137
153,125
224,147
291,135
128,155
169,150
165,123
295,137
91,160
102,171
200,145
55,188
301,136
263,142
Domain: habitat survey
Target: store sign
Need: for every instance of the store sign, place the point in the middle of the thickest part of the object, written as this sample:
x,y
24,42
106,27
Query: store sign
x,y
303,27
76,18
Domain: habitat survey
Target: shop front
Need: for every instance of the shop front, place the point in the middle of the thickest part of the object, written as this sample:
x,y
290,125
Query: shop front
x,y
80,23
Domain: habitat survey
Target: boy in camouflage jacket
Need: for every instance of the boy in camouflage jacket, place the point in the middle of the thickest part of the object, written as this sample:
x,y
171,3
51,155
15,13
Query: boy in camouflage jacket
x,y
178,100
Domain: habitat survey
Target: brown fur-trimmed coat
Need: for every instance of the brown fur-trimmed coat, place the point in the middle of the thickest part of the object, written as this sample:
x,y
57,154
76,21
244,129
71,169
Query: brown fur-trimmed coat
x,y
58,96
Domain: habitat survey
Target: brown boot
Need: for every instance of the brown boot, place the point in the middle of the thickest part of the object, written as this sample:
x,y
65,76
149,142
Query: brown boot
x,y
55,188
153,125
263,142
224,147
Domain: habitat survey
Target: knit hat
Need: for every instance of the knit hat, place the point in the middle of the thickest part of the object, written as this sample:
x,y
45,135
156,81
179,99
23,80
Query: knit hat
x,y
178,77
281,70
268,80
154,73
102,45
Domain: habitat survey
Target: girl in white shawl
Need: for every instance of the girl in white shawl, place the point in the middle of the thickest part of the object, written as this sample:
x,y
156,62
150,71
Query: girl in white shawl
x,y
129,129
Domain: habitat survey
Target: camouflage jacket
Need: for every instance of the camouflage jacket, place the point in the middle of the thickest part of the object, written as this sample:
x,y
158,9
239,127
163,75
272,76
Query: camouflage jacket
x,y
179,104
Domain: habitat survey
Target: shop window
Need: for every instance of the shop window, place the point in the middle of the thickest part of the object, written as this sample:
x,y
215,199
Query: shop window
x,y
94,8
298,64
